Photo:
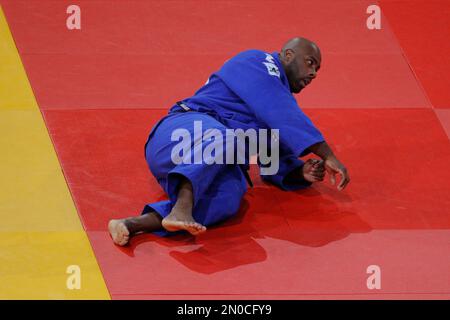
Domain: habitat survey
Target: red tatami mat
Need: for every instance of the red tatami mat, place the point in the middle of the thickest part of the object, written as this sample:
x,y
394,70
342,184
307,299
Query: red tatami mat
x,y
195,26
102,155
101,90
247,260
315,243
393,157
422,28
139,54
444,117
157,81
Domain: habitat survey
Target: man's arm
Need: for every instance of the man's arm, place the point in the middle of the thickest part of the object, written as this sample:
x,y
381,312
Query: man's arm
x,y
289,176
321,149
270,100
273,104
332,165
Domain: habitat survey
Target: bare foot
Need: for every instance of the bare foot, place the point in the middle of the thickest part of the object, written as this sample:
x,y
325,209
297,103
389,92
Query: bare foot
x,y
179,220
119,232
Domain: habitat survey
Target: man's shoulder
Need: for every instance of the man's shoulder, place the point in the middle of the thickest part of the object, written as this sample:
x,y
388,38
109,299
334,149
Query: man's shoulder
x,y
251,54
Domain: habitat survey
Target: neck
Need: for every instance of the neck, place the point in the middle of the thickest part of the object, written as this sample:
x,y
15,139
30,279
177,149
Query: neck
x,y
282,61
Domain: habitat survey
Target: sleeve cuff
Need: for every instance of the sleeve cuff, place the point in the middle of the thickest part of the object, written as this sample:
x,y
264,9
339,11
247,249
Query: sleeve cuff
x,y
283,179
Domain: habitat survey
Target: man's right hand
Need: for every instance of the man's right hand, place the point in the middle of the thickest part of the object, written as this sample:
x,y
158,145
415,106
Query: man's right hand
x,y
333,166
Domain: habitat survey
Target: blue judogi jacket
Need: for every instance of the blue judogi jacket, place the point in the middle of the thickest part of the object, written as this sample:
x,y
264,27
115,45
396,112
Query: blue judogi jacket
x,y
251,90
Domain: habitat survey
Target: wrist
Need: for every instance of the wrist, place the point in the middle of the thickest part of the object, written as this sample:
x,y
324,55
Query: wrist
x,y
329,156
323,150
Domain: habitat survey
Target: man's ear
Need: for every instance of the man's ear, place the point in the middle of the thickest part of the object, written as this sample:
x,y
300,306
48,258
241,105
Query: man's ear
x,y
289,55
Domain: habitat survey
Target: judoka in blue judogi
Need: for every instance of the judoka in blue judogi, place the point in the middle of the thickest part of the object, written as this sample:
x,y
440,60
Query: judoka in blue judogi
x,y
204,175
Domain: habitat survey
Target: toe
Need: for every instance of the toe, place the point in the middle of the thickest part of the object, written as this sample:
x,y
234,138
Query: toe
x,y
124,229
124,241
198,226
189,224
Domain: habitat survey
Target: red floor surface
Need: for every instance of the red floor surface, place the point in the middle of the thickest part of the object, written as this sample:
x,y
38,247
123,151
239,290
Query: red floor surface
x,y
242,262
319,231
130,62
112,63
423,30
128,27
391,161
346,81
444,117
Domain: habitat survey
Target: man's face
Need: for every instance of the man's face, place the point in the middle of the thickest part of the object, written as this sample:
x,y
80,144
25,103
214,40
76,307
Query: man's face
x,y
301,66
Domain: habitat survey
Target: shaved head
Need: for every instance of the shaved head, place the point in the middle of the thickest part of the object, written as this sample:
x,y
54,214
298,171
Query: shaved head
x,y
301,59
300,43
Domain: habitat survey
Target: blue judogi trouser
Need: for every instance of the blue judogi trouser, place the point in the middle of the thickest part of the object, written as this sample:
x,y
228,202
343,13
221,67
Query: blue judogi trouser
x,y
217,188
